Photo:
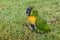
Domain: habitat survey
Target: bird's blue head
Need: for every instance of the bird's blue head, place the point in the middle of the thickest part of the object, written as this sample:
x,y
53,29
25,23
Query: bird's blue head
x,y
28,11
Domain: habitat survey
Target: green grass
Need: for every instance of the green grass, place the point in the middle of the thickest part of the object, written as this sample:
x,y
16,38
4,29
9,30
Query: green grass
x,y
13,19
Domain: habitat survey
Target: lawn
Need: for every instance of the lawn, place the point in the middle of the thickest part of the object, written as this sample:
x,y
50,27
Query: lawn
x,y
13,19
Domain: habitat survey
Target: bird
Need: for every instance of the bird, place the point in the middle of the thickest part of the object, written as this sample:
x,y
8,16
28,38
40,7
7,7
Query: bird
x,y
37,23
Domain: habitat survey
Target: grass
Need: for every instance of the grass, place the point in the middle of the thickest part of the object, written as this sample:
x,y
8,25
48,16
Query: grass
x,y
13,19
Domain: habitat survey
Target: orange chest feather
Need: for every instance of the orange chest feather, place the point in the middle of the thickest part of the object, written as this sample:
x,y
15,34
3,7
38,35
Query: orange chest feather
x,y
32,19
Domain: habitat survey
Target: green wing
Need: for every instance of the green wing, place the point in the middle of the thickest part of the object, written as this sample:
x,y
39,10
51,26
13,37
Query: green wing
x,y
42,25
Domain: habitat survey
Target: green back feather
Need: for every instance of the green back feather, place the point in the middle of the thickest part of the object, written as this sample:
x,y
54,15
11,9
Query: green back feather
x,y
34,12
42,25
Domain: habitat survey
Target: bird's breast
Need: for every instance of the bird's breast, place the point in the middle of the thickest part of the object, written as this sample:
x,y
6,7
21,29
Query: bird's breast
x,y
32,19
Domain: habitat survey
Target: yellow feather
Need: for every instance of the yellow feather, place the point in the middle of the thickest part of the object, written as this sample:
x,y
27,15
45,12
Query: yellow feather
x,y
32,19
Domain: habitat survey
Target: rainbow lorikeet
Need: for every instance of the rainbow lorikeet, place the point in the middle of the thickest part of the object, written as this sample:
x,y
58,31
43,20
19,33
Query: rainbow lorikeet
x,y
37,23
